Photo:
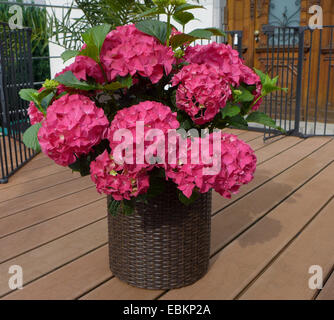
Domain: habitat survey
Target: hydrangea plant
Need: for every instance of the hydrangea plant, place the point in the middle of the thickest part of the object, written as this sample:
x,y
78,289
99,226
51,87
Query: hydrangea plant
x,y
151,76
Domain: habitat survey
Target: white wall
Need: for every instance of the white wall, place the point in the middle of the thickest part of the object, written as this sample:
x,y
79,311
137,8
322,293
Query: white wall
x,y
57,64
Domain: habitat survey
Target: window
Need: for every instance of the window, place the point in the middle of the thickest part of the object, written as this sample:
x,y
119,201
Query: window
x,y
285,13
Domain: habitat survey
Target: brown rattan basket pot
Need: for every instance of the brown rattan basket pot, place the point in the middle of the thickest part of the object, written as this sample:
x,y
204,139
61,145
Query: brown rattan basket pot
x,y
163,244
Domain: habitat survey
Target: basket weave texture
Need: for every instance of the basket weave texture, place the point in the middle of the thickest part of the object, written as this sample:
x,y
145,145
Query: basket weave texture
x,y
163,244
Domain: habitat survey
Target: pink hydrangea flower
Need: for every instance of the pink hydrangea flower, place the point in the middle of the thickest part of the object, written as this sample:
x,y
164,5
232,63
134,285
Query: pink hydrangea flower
x,y
221,56
228,62
73,126
35,115
83,68
151,115
113,179
127,50
202,92
236,167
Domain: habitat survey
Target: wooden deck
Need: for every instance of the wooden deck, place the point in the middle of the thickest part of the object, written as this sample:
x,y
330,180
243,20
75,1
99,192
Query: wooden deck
x,y
53,225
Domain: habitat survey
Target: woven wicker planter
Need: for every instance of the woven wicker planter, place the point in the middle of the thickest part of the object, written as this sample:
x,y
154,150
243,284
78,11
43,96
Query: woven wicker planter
x,y
163,245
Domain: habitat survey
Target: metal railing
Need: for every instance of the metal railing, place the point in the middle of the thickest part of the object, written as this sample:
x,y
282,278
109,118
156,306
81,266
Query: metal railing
x,y
304,61
15,74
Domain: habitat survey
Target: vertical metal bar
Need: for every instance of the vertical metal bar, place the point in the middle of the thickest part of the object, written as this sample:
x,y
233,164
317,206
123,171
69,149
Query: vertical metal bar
x,y
318,84
287,81
282,77
27,53
301,37
13,105
272,69
267,71
292,78
30,72
23,85
18,86
309,81
277,69
329,77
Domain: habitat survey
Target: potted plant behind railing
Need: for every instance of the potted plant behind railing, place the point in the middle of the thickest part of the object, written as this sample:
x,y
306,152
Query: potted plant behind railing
x,y
141,111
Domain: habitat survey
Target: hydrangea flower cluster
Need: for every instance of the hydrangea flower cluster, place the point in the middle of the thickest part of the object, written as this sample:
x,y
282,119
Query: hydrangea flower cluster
x,y
223,169
115,180
127,50
83,68
228,62
202,92
150,115
73,126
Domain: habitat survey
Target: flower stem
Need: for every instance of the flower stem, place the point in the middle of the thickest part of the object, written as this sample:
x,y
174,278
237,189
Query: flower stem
x,y
103,72
169,15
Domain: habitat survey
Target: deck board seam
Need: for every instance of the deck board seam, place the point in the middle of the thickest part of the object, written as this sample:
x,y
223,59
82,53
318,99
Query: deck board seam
x,y
35,206
35,191
52,218
50,241
288,244
9,185
330,274
94,288
57,268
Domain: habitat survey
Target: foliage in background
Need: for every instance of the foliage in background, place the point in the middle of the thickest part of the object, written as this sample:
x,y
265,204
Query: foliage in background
x,y
67,31
35,18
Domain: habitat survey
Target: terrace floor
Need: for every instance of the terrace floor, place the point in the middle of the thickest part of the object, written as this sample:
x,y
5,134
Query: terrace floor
x,y
264,240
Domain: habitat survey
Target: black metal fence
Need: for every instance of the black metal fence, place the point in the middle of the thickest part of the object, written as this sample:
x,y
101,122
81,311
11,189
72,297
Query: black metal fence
x,y
15,74
304,61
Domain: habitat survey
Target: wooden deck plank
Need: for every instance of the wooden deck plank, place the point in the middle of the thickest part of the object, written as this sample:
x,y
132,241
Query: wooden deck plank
x,y
37,185
278,162
288,276
327,293
49,257
249,135
27,176
47,211
240,262
32,200
40,161
118,290
68,282
35,236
